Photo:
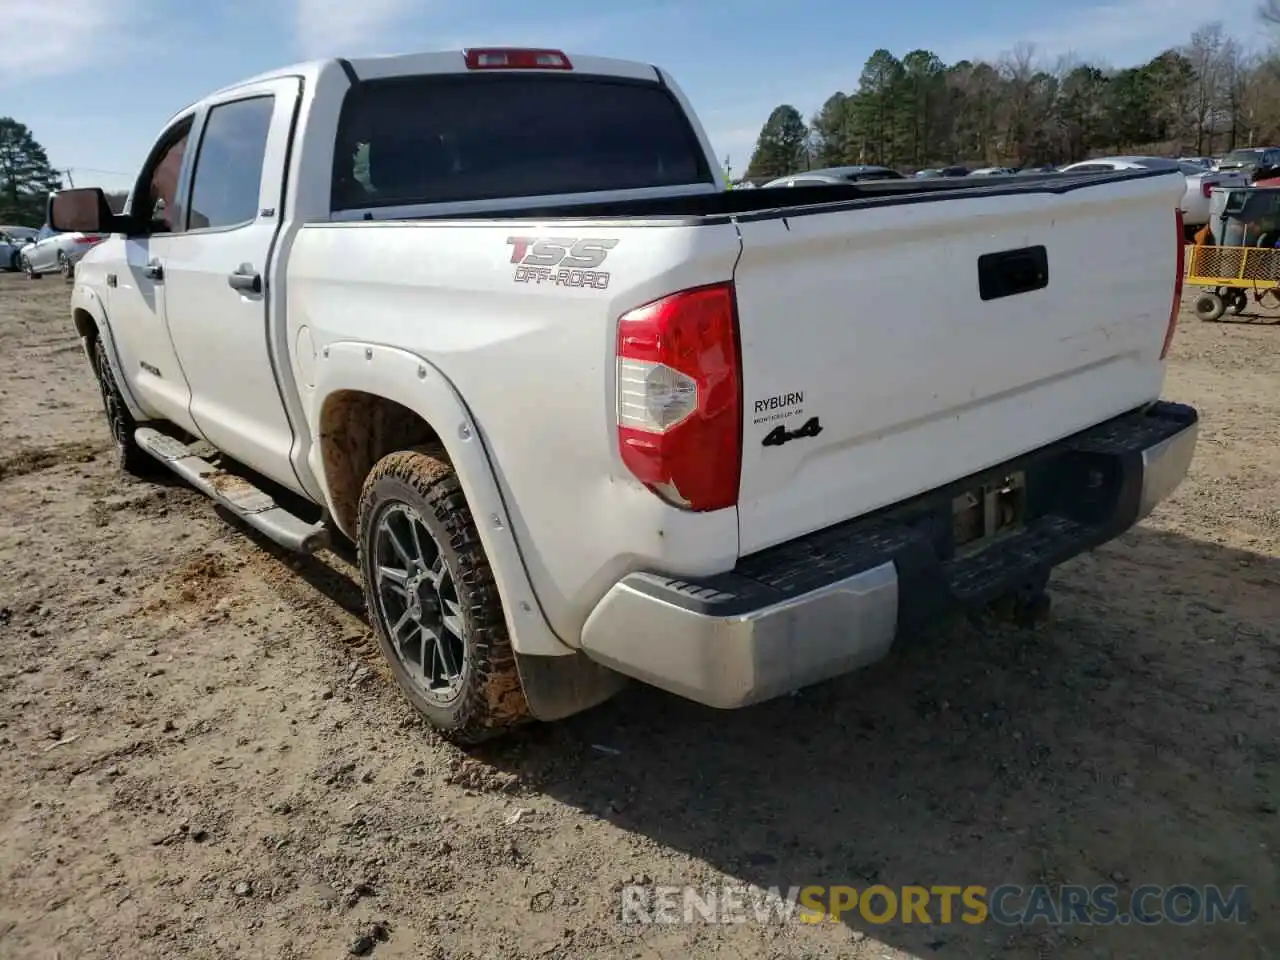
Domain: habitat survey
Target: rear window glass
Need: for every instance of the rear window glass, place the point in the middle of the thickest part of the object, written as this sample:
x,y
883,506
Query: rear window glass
x,y
473,137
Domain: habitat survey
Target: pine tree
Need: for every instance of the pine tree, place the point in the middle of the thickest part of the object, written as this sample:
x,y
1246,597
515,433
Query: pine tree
x,y
25,175
782,147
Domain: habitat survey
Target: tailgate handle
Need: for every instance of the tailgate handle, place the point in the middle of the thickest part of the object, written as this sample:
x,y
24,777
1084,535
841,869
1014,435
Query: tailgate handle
x,y
1011,272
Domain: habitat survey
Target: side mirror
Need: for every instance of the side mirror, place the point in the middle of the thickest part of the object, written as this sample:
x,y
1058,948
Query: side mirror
x,y
82,210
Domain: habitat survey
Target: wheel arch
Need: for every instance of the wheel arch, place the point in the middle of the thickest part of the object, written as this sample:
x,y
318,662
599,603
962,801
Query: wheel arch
x,y
90,319
370,400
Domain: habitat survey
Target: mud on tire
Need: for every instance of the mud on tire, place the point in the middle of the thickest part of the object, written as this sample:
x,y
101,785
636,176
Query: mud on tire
x,y
131,458
418,492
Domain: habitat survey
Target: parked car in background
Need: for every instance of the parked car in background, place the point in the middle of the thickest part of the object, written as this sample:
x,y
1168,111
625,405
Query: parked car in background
x,y
56,252
12,240
830,175
1247,160
1043,168
993,172
1200,181
952,171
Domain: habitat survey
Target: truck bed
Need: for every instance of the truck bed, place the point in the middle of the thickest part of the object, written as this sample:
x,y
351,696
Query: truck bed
x,y
790,201
920,337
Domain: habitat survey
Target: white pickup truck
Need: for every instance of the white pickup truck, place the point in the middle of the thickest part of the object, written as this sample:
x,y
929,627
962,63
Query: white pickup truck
x,y
586,414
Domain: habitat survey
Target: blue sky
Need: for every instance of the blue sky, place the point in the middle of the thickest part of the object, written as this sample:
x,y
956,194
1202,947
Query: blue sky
x,y
95,79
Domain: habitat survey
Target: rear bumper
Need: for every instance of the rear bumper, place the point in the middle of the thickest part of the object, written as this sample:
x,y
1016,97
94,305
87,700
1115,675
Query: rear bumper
x,y
835,600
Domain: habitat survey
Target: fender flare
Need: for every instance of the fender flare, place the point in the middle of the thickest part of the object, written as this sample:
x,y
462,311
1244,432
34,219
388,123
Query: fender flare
x,y
84,297
417,384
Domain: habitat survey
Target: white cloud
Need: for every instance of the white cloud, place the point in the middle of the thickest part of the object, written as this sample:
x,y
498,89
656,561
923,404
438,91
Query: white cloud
x,y
327,27
44,39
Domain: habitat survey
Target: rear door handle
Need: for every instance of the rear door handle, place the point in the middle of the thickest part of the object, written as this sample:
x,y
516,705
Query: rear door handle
x,y
245,279
111,280
154,271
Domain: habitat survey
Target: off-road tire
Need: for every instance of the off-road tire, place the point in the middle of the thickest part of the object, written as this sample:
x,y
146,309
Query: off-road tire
x,y
130,457
491,700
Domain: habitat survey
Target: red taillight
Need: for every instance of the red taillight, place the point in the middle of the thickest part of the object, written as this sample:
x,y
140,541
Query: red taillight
x,y
1181,264
679,397
90,239
513,58
1206,187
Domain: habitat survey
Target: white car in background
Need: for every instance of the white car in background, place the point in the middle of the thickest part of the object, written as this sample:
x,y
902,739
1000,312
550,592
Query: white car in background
x,y
56,252
1200,181
12,241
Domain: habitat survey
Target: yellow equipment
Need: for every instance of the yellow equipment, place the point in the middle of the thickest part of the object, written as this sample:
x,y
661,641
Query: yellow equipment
x,y
1242,253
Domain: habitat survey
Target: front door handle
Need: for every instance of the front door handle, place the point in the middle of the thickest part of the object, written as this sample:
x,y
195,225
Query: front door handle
x,y
245,279
154,271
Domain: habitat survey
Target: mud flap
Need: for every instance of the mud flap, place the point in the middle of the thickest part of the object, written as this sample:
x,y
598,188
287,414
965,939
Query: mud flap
x,y
558,687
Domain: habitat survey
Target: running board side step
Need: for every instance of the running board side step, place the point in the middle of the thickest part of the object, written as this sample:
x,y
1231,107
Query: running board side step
x,y
250,504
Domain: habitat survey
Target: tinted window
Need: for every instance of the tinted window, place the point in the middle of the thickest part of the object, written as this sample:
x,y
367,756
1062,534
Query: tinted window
x,y
472,137
163,208
228,172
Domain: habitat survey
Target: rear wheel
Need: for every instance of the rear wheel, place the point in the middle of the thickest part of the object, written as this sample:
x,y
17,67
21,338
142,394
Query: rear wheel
x,y
1209,306
432,599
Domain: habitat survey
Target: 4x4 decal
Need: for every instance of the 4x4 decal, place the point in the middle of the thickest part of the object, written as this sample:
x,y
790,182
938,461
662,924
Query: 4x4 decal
x,y
780,434
561,261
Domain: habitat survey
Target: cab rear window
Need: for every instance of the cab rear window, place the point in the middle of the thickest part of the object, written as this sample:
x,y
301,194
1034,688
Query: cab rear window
x,y
466,137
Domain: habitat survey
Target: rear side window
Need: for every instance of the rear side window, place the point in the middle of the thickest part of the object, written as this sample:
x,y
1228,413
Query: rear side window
x,y
228,173
473,137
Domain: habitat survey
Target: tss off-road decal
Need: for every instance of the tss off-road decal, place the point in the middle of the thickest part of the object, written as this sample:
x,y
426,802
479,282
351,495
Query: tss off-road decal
x,y
562,261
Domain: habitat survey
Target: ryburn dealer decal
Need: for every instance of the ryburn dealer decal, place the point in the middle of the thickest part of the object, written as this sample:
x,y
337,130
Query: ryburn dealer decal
x,y
561,261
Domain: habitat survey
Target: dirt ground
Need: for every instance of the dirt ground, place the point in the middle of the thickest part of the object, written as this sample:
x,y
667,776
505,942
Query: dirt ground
x,y
202,755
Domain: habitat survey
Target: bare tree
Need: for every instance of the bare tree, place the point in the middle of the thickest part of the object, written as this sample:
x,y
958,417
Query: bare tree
x,y
1018,69
1238,69
1205,55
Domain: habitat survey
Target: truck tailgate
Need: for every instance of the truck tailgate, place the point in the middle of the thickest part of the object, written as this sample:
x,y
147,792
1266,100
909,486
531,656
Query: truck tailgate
x,y
894,346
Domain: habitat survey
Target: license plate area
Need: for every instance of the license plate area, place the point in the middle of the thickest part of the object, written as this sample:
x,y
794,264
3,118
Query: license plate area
x,y
988,513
